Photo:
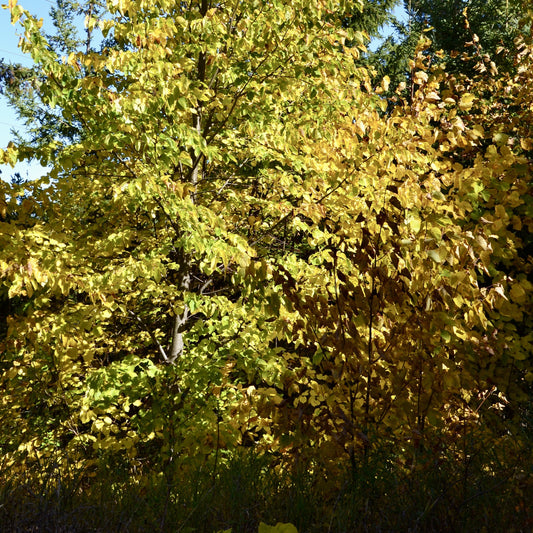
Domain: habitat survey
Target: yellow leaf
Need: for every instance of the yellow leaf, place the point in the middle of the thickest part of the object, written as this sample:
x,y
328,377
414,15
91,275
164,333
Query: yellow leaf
x,y
432,97
437,255
518,294
526,144
278,528
452,380
420,77
466,102
500,138
415,223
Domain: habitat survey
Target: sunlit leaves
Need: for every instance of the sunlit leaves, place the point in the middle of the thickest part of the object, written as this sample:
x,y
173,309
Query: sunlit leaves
x,y
328,268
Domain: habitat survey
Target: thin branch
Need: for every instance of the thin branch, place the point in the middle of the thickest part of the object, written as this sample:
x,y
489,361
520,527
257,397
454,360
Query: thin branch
x,y
145,327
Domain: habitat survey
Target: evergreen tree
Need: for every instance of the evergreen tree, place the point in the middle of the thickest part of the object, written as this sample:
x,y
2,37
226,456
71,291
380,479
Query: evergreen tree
x,y
22,85
465,35
468,31
374,15
392,56
66,38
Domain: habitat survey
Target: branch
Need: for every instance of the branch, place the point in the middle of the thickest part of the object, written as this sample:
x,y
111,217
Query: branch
x,y
152,336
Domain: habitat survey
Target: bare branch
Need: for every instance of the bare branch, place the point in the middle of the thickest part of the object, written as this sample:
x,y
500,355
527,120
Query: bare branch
x,y
145,327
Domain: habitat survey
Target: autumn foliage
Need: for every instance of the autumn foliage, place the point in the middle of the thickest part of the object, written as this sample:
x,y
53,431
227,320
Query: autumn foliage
x,y
249,245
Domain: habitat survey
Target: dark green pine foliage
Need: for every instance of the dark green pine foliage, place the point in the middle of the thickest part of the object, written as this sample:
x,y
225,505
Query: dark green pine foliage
x,y
374,16
483,36
14,79
397,41
66,38
21,85
391,58
489,29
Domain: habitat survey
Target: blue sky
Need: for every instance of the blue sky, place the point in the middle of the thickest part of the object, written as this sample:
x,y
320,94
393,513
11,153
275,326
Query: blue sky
x,y
9,38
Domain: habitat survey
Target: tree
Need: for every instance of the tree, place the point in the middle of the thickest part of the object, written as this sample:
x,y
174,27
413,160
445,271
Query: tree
x,y
461,34
371,16
473,28
21,85
159,185
232,254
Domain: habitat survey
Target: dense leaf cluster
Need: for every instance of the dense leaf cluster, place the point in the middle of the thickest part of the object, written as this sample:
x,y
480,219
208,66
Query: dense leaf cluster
x,y
249,244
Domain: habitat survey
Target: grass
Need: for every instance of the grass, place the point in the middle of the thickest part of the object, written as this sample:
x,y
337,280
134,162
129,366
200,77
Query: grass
x,y
379,495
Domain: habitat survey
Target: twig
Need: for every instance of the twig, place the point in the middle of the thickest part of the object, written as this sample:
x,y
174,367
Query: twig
x,y
152,336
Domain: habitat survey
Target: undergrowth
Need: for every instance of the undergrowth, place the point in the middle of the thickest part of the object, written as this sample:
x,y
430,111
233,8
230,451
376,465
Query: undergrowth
x,y
379,494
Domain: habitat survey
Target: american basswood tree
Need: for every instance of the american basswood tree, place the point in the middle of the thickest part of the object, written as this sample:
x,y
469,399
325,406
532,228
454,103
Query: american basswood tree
x,y
250,245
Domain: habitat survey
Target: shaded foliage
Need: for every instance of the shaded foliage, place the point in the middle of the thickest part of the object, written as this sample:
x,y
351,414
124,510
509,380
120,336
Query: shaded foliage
x,y
251,246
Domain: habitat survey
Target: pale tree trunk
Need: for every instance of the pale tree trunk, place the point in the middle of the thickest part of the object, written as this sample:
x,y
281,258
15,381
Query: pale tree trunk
x,y
180,321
